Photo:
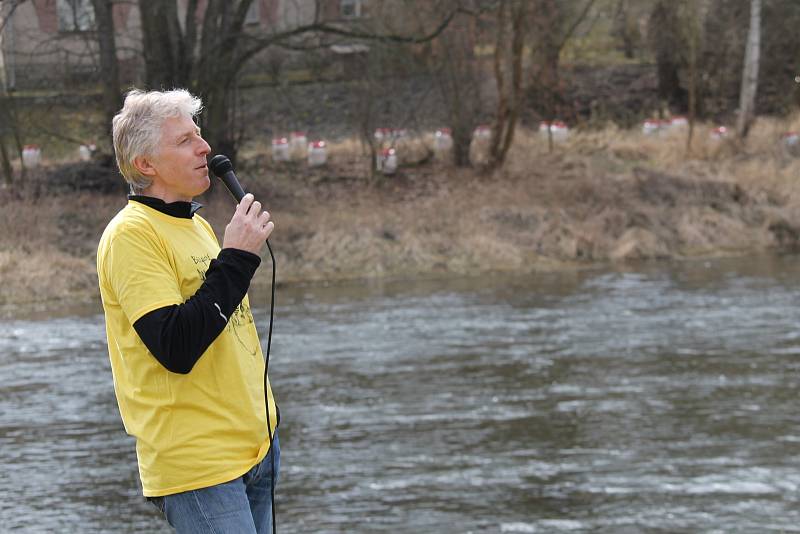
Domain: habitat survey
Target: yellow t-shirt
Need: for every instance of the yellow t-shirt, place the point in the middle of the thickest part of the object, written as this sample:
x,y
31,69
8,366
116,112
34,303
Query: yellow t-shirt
x,y
195,430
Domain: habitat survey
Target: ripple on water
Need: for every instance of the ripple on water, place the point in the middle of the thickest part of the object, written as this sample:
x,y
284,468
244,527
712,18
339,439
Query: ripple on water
x,y
657,400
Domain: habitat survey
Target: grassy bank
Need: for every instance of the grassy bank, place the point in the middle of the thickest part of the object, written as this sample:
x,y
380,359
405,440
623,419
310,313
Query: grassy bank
x,y
601,196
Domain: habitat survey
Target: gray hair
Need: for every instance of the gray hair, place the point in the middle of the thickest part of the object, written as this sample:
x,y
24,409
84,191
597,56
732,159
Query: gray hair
x,y
137,127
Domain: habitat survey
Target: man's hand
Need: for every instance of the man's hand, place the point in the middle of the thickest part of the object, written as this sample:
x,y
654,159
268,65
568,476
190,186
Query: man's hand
x,y
249,227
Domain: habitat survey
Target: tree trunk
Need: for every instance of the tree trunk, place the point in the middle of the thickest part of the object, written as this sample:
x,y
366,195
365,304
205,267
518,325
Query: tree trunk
x,y
217,127
666,41
109,67
5,160
161,40
462,136
454,68
500,77
692,17
625,27
8,171
462,113
508,97
747,96
172,59
216,71
9,117
548,87
544,93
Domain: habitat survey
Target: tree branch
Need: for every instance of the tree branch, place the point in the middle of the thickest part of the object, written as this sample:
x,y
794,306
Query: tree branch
x,y
575,24
279,39
7,16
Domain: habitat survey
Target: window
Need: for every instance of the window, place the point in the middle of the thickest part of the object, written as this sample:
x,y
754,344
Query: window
x,y
351,9
253,13
75,15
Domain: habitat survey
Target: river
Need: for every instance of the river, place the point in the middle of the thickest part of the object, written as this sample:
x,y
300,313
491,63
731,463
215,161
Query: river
x,y
660,398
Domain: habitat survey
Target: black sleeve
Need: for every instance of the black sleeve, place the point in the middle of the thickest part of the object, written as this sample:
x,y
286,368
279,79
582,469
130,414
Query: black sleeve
x,y
178,335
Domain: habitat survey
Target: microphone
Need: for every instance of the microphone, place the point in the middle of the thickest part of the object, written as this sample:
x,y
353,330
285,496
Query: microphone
x,y
223,168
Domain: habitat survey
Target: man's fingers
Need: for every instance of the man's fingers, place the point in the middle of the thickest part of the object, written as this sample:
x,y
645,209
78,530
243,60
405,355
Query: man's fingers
x,y
249,214
244,206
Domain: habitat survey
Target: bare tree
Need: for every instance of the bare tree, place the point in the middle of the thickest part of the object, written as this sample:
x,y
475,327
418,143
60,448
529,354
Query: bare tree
x,y
207,50
88,41
168,44
747,97
625,28
666,35
109,66
7,9
10,135
508,75
693,18
457,74
552,25
5,159
7,122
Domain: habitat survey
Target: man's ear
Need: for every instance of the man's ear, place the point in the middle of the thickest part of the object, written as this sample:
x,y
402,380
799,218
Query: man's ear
x,y
144,166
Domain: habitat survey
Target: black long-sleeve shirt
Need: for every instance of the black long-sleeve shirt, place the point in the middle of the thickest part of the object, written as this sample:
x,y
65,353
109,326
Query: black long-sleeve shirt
x,y
179,334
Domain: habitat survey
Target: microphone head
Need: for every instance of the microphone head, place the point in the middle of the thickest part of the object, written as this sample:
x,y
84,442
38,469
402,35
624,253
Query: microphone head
x,y
220,164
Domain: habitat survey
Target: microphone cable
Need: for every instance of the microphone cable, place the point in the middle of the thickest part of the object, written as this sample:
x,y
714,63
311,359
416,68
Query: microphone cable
x,y
266,390
221,166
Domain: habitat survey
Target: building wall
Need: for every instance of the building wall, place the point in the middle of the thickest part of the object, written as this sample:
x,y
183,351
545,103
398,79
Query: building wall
x,y
38,54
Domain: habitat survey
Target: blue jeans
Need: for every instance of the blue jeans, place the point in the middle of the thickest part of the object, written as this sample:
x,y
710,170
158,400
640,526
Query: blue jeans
x,y
243,505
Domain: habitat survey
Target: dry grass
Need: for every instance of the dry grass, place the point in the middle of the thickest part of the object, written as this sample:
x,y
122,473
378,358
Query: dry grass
x,y
44,274
606,195
47,244
762,161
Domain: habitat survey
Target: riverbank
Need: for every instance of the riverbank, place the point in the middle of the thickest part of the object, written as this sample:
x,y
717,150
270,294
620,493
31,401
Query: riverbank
x,y
608,196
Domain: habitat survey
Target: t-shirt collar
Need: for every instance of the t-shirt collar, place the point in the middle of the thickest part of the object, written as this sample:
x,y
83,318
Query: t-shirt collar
x,y
180,209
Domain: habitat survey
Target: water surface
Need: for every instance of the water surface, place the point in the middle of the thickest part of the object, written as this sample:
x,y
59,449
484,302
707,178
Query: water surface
x,y
657,399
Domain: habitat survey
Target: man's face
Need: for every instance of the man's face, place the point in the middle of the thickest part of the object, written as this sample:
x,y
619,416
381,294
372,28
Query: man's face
x,y
180,166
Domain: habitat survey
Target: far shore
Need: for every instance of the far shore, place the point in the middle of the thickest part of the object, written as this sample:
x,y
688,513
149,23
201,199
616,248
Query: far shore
x,y
601,198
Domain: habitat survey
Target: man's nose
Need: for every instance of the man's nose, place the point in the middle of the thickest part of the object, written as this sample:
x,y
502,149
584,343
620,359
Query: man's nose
x,y
203,147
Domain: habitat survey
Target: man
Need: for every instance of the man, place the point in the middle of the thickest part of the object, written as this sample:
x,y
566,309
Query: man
x,y
185,356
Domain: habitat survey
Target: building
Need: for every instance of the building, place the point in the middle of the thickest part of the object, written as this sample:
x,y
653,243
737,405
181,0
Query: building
x,y
51,44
